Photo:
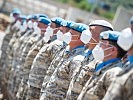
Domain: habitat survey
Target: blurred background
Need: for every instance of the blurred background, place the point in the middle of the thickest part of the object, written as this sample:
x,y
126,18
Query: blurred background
x,y
118,12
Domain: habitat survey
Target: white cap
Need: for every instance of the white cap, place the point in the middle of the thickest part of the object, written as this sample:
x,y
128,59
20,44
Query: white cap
x,y
101,23
125,40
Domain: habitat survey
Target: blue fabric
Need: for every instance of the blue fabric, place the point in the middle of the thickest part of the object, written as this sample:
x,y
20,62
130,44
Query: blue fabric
x,y
16,11
130,58
64,43
103,64
36,16
23,17
44,20
88,53
78,47
57,20
80,27
41,15
110,35
66,23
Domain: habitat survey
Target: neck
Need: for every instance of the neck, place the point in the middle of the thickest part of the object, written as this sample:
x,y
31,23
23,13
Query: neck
x,y
72,45
109,57
91,46
130,52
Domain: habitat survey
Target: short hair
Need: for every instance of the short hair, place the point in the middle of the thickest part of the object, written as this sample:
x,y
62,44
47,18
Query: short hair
x,y
57,25
106,28
121,52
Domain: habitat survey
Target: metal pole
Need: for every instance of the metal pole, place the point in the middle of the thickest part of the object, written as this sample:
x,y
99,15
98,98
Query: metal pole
x,y
93,9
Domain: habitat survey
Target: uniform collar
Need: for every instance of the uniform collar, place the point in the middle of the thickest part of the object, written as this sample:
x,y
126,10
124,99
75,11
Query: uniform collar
x,y
103,64
54,37
87,52
130,59
76,50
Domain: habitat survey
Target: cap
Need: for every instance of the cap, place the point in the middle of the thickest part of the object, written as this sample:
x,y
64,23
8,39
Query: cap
x,y
41,15
44,20
66,23
125,40
30,16
23,17
36,16
57,20
101,23
78,27
110,35
16,11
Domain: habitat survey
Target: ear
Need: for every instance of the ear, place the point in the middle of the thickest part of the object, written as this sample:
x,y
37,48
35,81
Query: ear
x,y
79,36
114,51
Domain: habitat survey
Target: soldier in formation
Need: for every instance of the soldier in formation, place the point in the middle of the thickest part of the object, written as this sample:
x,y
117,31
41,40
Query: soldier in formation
x,y
56,59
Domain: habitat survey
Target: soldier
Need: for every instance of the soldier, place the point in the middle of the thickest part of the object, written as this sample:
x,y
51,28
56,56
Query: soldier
x,y
65,27
11,45
32,54
59,81
86,68
39,33
10,48
40,65
121,88
30,28
110,54
17,55
9,32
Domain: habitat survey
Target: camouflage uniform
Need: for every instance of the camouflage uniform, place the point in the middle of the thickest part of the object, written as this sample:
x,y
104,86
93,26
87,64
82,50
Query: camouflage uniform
x,y
21,94
39,67
96,87
80,76
57,86
27,66
33,40
122,87
19,47
12,64
51,68
8,35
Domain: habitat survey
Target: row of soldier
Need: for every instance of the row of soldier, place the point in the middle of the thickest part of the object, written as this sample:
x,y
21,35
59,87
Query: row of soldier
x,y
56,59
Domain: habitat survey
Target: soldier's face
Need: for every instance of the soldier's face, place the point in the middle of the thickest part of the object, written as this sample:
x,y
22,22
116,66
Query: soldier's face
x,y
16,16
107,48
53,25
42,26
64,29
75,38
75,35
95,31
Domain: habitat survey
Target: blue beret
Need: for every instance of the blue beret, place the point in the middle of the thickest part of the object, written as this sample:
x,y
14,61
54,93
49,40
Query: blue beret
x,y
110,35
16,11
41,15
66,23
80,27
57,20
69,23
23,17
29,16
44,20
131,20
35,17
